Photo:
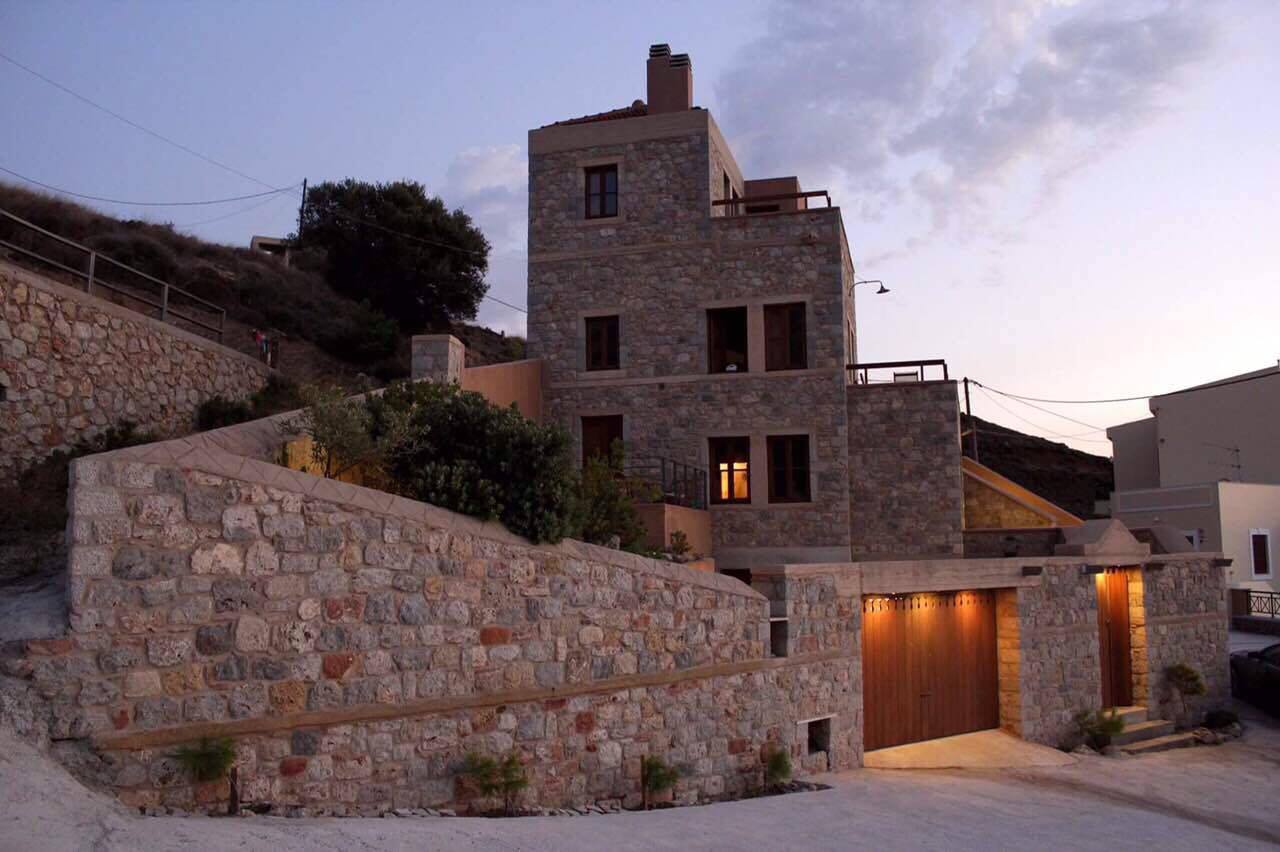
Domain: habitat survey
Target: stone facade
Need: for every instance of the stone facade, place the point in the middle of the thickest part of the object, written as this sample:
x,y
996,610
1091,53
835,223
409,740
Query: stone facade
x,y
986,508
905,492
438,357
1186,611
72,365
357,655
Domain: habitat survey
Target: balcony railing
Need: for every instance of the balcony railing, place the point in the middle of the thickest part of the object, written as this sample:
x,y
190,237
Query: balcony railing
x,y
679,484
890,372
743,206
1255,603
101,276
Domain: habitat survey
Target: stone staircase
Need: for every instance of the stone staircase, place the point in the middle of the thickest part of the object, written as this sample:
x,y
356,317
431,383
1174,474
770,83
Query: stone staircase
x,y
1147,736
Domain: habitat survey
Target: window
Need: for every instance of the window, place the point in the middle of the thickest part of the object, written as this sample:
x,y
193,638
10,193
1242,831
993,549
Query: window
x,y
730,470
727,340
784,337
819,735
602,191
602,343
778,631
788,468
599,435
1260,541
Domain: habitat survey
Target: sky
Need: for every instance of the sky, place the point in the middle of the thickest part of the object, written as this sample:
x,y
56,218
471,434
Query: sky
x,y
1067,200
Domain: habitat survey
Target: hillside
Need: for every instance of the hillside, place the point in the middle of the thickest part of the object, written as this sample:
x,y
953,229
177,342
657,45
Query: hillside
x,y
314,324
1065,476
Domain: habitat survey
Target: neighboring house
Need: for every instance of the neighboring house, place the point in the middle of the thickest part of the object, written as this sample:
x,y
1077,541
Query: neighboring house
x,y
274,246
1208,463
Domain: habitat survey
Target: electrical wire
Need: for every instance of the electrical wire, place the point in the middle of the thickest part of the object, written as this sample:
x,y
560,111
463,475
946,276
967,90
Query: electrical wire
x,y
1221,384
132,123
1089,426
233,213
1012,413
62,191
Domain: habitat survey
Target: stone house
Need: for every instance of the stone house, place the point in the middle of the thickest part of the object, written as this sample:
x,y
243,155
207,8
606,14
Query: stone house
x,y
357,644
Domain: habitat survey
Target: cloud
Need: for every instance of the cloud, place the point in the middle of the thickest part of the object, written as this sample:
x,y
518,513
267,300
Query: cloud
x,y
950,106
492,185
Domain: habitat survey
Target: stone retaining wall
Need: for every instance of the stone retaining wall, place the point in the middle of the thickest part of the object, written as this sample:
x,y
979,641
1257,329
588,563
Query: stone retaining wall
x,y
72,365
357,655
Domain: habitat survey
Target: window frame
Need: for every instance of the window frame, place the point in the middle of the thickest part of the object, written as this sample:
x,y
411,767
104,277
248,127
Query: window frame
x,y
793,352
1265,535
740,446
715,335
790,468
604,170
611,334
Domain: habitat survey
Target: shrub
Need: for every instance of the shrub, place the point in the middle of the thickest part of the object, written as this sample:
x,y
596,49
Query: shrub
x,y
341,431
209,759
656,776
276,396
777,767
141,251
362,335
680,546
1220,718
606,503
218,411
1184,679
1096,728
505,779
454,449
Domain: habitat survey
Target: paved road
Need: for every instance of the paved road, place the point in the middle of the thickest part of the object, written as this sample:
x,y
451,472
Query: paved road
x,y
1193,799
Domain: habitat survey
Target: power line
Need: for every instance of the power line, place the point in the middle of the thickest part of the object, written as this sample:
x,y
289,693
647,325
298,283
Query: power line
x,y
1211,385
132,123
1089,426
62,191
1012,413
233,213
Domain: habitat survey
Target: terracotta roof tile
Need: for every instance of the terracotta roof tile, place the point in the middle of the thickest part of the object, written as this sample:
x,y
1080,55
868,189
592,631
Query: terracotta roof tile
x,y
636,110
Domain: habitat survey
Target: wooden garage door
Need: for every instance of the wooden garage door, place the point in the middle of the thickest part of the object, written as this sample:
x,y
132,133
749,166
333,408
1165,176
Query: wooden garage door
x,y
928,667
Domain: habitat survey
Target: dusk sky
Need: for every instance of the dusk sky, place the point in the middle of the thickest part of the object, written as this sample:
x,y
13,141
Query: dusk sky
x,y
1067,200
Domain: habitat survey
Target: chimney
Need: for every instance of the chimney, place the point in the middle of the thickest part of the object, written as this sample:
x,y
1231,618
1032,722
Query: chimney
x,y
670,80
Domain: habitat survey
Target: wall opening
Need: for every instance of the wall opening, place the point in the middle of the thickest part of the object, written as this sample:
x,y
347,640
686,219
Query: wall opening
x,y
779,631
818,733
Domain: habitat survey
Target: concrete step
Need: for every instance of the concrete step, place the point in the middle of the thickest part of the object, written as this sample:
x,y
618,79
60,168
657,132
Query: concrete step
x,y
1131,715
1142,731
1164,743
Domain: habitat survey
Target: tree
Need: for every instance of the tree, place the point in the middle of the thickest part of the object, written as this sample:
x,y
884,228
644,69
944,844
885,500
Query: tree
x,y
424,280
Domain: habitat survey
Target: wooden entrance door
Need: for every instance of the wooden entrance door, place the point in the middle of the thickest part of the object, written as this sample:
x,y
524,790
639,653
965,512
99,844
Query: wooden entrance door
x,y
1113,638
928,667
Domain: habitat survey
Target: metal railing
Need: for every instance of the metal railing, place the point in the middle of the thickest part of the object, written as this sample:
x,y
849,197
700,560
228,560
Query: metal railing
x,y
1266,604
732,205
901,371
679,484
153,293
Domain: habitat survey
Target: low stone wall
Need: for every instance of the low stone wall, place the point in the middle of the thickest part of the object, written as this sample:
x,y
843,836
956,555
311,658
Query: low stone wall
x,y
72,365
906,498
358,645
1187,616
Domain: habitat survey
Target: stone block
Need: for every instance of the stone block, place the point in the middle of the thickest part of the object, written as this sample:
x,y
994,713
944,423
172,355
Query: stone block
x,y
252,634
240,523
217,558
168,650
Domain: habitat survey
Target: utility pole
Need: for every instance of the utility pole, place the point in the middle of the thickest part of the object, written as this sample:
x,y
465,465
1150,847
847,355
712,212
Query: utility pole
x,y
302,208
973,427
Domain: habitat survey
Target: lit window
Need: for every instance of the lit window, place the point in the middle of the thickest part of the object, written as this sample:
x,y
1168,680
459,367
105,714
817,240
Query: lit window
x,y
730,470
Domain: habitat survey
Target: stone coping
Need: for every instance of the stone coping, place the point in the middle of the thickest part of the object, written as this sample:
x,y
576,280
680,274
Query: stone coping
x,y
426,706
31,278
240,452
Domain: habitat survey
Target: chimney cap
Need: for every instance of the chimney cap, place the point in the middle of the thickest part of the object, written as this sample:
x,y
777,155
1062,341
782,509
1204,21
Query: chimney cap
x,y
656,50
681,60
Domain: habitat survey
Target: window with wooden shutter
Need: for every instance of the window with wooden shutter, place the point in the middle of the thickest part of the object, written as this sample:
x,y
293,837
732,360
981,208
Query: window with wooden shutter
x,y
602,343
730,470
602,191
788,468
784,337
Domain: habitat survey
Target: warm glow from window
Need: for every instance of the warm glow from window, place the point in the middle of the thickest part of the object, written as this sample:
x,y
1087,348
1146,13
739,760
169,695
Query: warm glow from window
x,y
733,480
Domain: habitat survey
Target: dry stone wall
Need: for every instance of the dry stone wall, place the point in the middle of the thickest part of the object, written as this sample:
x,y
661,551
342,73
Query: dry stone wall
x,y
358,655
1187,615
72,365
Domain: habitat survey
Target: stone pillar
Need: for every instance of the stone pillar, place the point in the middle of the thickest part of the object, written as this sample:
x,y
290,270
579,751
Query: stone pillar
x,y
1009,660
438,358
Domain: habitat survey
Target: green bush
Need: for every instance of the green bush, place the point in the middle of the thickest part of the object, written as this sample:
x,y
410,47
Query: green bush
x,y
209,759
492,778
1096,728
606,503
457,450
361,336
777,767
1185,679
656,776
275,397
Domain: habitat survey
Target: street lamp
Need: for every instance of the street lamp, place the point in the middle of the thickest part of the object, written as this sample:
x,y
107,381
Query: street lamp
x,y
882,289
